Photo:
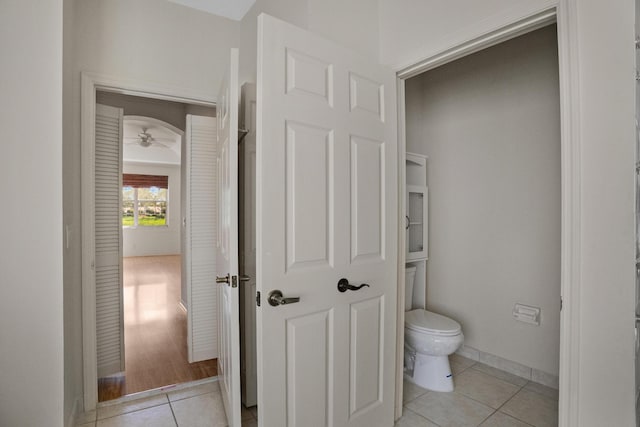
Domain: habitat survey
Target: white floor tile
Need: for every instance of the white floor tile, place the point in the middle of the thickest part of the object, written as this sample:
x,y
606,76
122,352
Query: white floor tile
x,y
533,408
213,386
411,419
410,391
484,388
86,417
503,420
450,409
205,410
158,416
460,363
543,390
131,406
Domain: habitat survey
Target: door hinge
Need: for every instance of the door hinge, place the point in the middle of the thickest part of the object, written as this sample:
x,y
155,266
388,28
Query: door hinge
x,y
258,298
560,304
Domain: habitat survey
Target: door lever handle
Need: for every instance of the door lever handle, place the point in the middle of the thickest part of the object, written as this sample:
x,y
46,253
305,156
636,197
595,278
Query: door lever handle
x,y
344,286
223,279
276,298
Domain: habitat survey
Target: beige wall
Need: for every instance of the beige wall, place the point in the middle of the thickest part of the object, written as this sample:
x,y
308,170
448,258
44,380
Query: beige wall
x,y
490,124
31,265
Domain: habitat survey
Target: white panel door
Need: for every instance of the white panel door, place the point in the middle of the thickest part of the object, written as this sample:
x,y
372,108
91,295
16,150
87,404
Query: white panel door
x,y
199,257
108,241
227,247
326,210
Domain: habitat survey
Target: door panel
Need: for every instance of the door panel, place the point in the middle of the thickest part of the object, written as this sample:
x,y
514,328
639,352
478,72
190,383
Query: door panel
x,y
327,209
366,351
227,246
367,192
309,381
309,194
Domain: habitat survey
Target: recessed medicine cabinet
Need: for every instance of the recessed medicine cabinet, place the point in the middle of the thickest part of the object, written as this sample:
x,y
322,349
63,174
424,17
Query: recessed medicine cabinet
x,y
416,213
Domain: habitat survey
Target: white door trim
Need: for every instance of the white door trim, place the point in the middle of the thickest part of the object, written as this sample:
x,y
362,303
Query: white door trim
x,y
564,15
90,84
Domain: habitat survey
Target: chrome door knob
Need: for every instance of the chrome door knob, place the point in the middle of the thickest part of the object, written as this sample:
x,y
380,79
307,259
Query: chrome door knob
x,y
276,298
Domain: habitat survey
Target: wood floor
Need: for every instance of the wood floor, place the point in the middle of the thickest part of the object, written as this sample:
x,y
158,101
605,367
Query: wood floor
x,y
155,330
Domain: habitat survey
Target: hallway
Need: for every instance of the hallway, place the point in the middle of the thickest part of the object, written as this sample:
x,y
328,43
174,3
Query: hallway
x,y
155,330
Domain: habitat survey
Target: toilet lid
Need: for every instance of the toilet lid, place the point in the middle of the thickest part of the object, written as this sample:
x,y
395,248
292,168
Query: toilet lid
x,y
432,323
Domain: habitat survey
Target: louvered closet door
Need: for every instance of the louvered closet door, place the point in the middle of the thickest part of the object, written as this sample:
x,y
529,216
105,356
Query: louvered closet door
x,y
108,240
202,303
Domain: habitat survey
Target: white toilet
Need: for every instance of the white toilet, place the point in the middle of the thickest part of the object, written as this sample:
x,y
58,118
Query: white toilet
x,y
429,340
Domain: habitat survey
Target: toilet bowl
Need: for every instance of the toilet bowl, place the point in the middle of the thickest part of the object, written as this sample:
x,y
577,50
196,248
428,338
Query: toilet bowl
x,y
429,340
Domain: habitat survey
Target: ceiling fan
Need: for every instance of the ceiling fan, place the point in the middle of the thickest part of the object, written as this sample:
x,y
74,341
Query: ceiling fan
x,y
145,139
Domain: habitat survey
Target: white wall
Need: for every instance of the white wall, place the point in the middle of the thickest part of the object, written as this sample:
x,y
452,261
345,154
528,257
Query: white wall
x,y
607,135
146,241
31,265
411,30
490,124
154,41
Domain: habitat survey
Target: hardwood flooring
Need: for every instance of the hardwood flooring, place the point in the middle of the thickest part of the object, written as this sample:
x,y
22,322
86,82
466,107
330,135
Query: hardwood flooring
x,y
155,330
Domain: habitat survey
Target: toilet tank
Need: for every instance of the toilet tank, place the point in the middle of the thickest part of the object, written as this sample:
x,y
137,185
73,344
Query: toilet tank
x,y
409,278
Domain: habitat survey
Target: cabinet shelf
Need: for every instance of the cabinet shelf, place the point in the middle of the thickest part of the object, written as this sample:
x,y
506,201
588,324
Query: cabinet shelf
x,y
416,208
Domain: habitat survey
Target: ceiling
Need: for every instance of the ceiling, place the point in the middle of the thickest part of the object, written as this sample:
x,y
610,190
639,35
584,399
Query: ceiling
x,y
165,143
232,9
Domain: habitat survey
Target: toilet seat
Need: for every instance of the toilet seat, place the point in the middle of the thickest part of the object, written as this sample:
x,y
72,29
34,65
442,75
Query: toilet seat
x,y
431,323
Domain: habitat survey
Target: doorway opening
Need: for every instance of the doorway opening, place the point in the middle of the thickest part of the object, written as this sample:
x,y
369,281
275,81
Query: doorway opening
x,y
155,348
486,129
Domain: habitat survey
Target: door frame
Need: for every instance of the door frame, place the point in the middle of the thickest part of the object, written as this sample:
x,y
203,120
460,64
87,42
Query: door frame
x,y
563,14
90,84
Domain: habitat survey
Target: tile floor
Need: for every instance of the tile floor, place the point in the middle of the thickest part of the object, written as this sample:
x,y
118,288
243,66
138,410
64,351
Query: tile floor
x,y
483,396
199,406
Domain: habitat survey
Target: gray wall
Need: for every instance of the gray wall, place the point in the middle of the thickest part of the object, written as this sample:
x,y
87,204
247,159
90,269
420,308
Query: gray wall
x,y
490,124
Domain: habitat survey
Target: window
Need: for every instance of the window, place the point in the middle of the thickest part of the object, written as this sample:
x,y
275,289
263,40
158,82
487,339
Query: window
x,y
144,200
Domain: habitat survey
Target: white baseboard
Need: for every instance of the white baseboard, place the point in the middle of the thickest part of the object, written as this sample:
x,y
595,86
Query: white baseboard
x,y
515,368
